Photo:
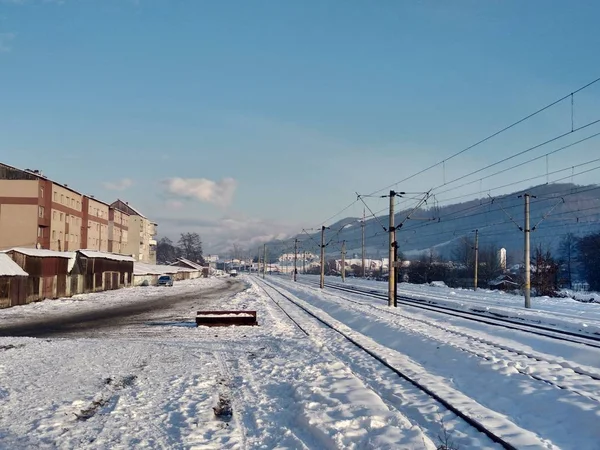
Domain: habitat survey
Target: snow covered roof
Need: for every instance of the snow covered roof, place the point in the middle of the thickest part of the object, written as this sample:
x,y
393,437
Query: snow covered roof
x,y
192,264
132,208
106,255
10,268
41,253
157,269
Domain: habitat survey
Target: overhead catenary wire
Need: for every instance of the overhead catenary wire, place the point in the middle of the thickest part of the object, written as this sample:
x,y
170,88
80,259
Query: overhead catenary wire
x,y
491,136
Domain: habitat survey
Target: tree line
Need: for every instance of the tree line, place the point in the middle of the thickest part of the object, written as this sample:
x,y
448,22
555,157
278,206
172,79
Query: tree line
x,y
189,246
576,258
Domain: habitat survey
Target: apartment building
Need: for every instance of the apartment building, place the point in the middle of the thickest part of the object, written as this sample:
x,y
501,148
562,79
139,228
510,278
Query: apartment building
x,y
38,212
118,231
95,234
141,233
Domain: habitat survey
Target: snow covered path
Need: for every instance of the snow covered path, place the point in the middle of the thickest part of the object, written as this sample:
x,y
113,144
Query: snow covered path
x,y
155,384
505,375
155,380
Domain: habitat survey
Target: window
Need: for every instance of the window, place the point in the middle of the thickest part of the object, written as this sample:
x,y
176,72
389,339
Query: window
x,y
41,211
53,215
40,232
62,199
53,234
42,192
55,196
78,205
61,217
73,203
60,236
66,218
72,238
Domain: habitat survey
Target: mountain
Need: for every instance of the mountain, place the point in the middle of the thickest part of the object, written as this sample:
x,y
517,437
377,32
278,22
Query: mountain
x,y
555,210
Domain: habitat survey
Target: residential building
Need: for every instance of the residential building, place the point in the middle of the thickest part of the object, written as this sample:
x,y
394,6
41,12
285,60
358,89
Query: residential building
x,y
95,233
38,212
118,231
141,234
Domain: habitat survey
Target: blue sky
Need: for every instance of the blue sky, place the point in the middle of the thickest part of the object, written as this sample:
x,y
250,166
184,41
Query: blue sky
x,y
250,119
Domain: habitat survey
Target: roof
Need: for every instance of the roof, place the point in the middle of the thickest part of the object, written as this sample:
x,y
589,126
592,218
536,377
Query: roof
x,y
157,269
41,253
106,255
10,268
135,211
192,264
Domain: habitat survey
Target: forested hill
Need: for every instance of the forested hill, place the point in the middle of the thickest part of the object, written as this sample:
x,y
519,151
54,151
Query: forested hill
x,y
556,210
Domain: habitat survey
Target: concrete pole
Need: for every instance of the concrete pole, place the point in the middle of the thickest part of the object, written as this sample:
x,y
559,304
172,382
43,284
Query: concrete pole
x,y
258,263
392,271
264,260
322,283
476,258
344,261
363,244
527,256
295,259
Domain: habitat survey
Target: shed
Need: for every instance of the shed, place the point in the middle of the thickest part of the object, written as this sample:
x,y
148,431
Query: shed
x,y
503,283
13,283
190,270
48,271
103,270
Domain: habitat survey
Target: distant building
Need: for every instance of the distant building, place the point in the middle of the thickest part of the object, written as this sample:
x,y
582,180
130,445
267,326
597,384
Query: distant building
x,y
36,212
502,258
141,233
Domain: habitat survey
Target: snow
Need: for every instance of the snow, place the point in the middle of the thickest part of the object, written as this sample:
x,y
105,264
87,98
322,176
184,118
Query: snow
x,y
41,253
105,255
190,263
154,382
157,269
10,268
564,313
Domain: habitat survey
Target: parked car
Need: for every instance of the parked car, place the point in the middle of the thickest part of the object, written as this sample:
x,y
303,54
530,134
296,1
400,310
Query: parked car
x,y
233,273
165,280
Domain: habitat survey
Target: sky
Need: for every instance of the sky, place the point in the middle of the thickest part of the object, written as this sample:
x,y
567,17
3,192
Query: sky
x,y
244,121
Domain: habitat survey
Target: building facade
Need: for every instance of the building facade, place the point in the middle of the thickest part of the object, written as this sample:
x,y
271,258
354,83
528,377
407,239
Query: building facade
x,y
141,233
36,212
118,231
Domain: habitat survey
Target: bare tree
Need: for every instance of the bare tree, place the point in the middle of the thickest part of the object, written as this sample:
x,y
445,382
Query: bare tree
x,y
568,252
544,277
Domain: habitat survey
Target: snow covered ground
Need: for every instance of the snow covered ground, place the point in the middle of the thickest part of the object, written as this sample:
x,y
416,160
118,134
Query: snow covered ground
x,y
156,381
564,313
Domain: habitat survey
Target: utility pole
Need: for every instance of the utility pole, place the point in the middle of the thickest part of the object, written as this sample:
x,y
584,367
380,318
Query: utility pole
x,y
322,283
258,263
362,225
392,269
527,256
344,261
295,259
476,258
264,260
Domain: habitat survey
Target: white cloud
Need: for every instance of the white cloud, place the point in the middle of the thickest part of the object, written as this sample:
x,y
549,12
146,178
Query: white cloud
x,y
174,204
219,235
5,40
119,185
216,192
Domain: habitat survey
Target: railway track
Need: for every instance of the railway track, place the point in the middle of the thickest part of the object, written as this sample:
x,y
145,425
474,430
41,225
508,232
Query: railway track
x,y
482,348
470,418
526,327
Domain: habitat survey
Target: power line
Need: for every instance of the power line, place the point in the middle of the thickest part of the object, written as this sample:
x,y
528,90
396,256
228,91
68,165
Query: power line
x,y
529,116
